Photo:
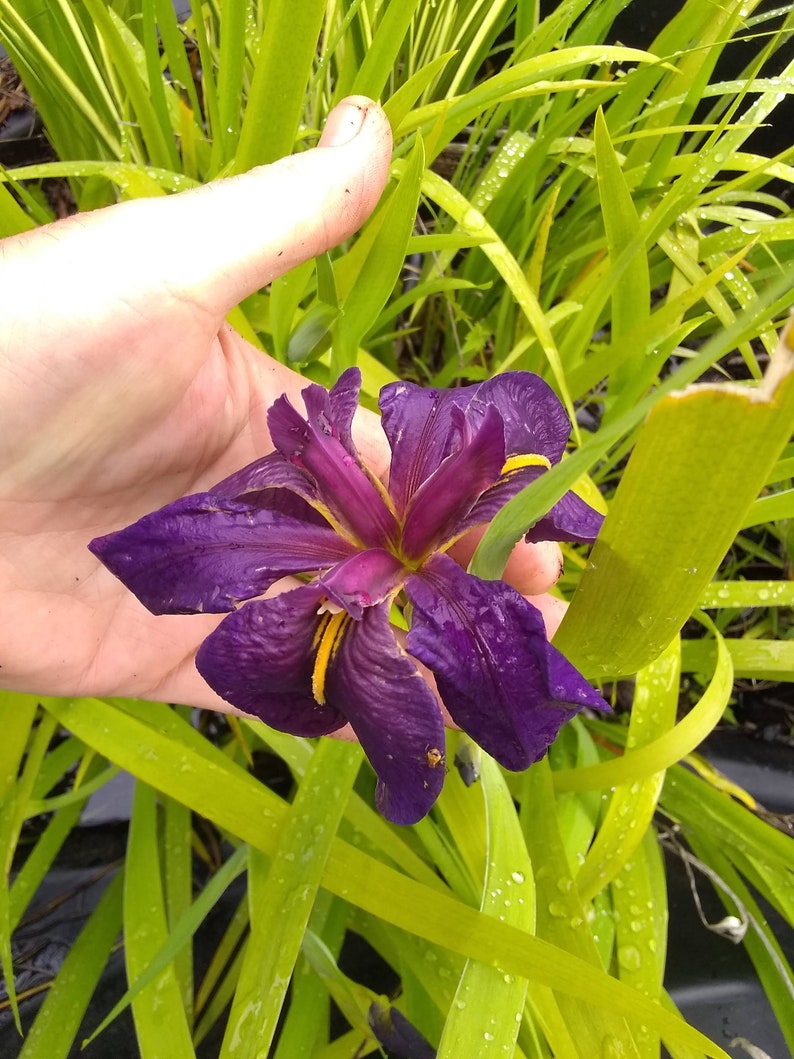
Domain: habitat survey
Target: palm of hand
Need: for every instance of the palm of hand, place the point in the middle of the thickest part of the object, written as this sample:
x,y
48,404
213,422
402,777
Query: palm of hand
x,y
122,388
66,619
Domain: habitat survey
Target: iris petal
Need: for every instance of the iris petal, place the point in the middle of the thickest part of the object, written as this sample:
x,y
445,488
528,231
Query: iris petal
x,y
533,417
421,432
343,486
500,679
570,519
394,714
337,405
260,659
363,580
269,473
205,553
438,507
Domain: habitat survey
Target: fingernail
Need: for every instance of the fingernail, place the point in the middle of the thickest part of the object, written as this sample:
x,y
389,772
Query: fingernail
x,y
343,124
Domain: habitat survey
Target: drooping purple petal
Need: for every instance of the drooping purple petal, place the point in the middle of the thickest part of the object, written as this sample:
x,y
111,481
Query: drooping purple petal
x,y
363,580
205,553
419,425
570,519
438,507
343,486
394,714
336,406
421,432
271,472
500,679
261,659
534,419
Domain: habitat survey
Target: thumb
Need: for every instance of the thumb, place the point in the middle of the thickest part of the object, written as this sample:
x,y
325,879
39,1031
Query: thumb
x,y
210,247
251,228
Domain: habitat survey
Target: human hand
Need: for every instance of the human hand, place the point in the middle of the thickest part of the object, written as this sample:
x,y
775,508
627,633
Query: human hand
x,y
121,388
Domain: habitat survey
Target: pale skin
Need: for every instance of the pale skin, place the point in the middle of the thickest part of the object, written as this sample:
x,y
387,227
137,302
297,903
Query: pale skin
x,y
122,387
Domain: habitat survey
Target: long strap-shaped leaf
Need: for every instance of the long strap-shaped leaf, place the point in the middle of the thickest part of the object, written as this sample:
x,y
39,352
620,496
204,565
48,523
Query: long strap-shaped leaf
x,y
283,892
214,787
278,90
701,459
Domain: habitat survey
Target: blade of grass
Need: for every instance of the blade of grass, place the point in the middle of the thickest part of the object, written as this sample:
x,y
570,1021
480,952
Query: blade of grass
x,y
639,901
159,144
381,56
53,1033
12,750
637,765
483,989
473,222
632,806
250,812
160,1021
562,919
283,890
180,934
278,88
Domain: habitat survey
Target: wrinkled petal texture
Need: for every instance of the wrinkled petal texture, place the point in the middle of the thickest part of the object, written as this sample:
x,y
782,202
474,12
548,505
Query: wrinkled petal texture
x,y
275,483
420,424
363,580
342,484
533,417
570,519
421,431
394,714
261,658
205,553
500,679
439,506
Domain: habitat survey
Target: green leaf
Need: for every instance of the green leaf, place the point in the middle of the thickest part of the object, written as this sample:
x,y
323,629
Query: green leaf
x,y
575,1029
488,1003
632,805
398,106
473,222
639,901
180,934
282,892
52,1034
635,766
741,594
13,796
705,450
631,294
196,776
157,138
381,55
277,94
160,1019
381,269
307,341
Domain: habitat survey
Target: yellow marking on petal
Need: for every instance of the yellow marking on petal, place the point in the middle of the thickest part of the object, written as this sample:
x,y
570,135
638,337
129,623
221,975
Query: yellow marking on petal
x,y
529,459
328,638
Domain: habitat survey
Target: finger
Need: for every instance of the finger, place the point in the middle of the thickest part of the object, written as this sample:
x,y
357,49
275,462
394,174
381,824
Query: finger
x,y
210,247
249,229
531,568
553,611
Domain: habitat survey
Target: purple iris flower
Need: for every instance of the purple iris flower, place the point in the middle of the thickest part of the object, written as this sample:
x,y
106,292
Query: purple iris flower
x,y
317,656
